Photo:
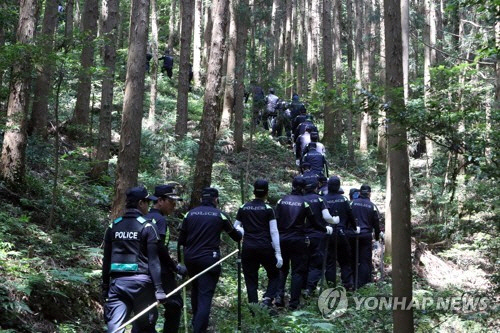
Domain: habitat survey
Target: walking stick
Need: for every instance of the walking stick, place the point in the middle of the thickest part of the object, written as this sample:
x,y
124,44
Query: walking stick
x,y
335,256
184,297
356,274
239,286
323,268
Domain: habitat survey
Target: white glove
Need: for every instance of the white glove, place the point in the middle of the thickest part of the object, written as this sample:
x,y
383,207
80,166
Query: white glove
x,y
279,260
358,230
241,230
336,219
297,162
329,230
381,235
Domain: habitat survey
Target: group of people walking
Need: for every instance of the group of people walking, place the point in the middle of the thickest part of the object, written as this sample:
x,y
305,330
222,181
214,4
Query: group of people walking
x,y
305,236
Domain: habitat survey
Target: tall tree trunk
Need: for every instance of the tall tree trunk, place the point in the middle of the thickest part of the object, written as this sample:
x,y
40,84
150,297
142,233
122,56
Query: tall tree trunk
x,y
399,177
204,160
184,67
230,66
130,138
337,130
288,48
429,61
68,25
172,26
40,110
381,133
110,12
358,43
12,163
198,15
302,50
350,80
276,14
207,35
243,13
154,70
82,106
328,72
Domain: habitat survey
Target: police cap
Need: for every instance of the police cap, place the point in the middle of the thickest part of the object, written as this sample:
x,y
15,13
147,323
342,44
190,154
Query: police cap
x,y
139,193
209,193
365,189
167,191
299,182
261,186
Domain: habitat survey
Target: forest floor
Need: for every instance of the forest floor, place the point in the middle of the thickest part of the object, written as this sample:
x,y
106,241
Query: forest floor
x,y
50,275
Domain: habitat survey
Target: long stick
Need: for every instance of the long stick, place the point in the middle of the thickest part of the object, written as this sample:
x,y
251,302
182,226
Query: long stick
x,y
239,286
323,269
356,274
174,291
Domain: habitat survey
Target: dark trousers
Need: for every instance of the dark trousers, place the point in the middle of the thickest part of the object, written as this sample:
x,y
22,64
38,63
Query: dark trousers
x,y
251,260
127,295
341,251
315,254
168,70
202,290
365,258
294,255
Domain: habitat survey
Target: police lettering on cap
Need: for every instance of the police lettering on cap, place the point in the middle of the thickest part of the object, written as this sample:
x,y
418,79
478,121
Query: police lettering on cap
x,y
260,186
139,193
167,191
209,193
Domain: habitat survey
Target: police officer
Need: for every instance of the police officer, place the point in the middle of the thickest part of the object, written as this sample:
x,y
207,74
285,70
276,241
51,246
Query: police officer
x,y
301,128
164,206
168,63
338,205
316,232
319,146
291,212
317,161
309,175
322,185
302,141
296,106
131,269
258,102
271,101
200,235
261,244
366,215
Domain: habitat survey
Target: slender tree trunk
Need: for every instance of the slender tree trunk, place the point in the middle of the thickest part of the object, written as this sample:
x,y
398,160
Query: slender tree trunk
x,y
204,160
358,43
275,31
429,61
243,14
382,139
172,31
130,138
154,68
82,107
328,71
184,67
399,176
68,26
2,43
198,14
110,12
339,79
40,108
230,66
350,83
207,36
12,163
288,48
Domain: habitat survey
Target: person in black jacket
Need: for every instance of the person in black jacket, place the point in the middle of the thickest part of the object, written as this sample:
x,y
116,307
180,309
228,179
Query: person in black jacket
x,y
338,205
164,206
316,160
366,215
131,278
291,212
261,244
200,235
168,63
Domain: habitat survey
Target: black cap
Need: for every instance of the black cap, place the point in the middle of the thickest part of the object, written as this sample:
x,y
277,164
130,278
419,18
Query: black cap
x,y
209,193
311,184
314,136
322,179
334,180
299,182
261,186
341,190
139,193
365,189
306,165
167,191
309,128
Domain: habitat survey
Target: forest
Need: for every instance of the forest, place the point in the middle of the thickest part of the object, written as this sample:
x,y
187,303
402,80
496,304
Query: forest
x,y
405,96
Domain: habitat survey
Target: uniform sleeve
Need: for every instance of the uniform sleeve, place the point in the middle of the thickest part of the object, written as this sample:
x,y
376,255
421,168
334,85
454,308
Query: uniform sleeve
x,y
350,223
183,232
153,260
376,222
239,215
161,225
106,261
164,255
227,226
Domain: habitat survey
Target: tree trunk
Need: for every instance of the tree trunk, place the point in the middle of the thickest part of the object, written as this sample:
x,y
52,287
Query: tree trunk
x,y
207,36
198,14
12,164
130,138
154,68
328,72
358,43
350,77
339,79
230,66
399,176
204,160
184,67
82,106
40,110
243,14
288,49
381,133
276,14
429,61
68,26
172,31
110,12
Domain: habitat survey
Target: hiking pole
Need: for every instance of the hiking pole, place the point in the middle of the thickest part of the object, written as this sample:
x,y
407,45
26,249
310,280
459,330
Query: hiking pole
x,y
239,286
325,260
184,297
335,256
174,291
381,264
356,274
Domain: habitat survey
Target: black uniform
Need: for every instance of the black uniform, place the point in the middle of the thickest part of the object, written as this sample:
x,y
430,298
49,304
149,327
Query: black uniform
x,y
291,212
301,128
338,205
200,236
257,248
173,305
258,102
168,64
317,161
131,269
296,107
315,238
366,214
